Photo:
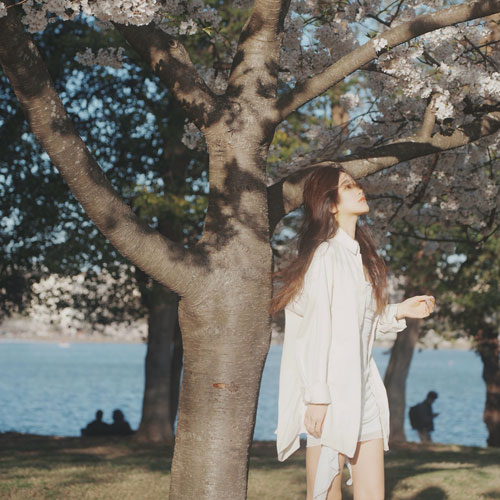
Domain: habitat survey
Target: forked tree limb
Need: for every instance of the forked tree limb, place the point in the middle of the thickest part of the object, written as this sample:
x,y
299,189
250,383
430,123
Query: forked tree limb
x,y
166,261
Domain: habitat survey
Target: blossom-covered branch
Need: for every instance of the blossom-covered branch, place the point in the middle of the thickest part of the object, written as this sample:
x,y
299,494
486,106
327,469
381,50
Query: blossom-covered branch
x,y
286,194
316,85
369,162
133,238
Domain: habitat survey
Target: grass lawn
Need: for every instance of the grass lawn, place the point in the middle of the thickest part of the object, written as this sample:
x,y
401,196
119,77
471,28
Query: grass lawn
x,y
39,467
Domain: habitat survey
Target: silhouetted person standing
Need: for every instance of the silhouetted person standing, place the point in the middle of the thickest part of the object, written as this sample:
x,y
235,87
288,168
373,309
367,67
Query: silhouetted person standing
x,y
97,427
422,417
120,426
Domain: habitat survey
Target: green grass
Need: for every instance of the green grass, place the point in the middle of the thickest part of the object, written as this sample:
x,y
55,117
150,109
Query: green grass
x,y
38,467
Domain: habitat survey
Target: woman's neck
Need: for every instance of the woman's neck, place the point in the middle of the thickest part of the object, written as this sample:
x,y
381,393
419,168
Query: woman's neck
x,y
348,224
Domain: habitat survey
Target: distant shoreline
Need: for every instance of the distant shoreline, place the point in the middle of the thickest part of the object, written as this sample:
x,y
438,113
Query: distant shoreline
x,y
100,339
25,329
54,339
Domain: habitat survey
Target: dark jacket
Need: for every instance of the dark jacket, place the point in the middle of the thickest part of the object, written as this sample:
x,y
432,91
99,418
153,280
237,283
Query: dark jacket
x,y
421,416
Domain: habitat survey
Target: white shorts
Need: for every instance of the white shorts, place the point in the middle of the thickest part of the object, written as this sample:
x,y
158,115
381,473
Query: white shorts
x,y
370,427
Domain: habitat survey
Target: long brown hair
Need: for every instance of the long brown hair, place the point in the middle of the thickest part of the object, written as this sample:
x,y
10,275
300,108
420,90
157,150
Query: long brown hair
x,y
321,191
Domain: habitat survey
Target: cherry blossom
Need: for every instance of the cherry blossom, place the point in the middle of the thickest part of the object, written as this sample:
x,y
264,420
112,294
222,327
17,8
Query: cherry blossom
x,y
449,73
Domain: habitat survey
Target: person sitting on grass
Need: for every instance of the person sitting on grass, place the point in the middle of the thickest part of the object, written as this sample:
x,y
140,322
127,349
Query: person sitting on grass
x,y
120,426
97,427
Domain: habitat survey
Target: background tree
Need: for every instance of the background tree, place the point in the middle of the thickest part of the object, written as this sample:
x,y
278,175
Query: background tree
x,y
114,111
419,274
428,257
471,304
272,74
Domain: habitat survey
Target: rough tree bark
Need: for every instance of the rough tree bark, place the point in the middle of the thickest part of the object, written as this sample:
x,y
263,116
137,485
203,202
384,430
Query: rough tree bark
x,y
396,375
224,280
488,347
157,411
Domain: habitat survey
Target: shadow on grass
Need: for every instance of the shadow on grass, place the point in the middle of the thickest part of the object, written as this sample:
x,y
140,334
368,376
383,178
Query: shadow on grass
x,y
492,494
49,452
402,462
411,459
19,453
432,493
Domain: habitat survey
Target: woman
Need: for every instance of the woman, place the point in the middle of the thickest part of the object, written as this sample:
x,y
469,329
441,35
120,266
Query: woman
x,y
335,299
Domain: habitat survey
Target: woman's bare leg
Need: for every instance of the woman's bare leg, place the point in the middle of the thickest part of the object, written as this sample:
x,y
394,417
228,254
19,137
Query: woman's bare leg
x,y
312,459
368,470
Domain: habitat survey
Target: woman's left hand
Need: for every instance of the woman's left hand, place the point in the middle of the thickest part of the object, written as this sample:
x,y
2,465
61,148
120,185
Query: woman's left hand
x,y
419,306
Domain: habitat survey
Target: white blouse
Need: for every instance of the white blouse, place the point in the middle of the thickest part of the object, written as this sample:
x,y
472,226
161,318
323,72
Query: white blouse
x,y
321,360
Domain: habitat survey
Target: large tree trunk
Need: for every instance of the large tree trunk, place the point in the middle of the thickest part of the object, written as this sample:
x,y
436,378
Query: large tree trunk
x,y
225,326
396,375
488,348
224,358
157,414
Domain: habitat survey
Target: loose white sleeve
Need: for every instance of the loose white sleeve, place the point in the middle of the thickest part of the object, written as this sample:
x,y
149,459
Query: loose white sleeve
x,y
314,337
388,323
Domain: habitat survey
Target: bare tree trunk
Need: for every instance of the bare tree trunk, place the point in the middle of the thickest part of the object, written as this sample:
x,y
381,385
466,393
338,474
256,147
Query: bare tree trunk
x,y
488,348
224,358
157,419
396,375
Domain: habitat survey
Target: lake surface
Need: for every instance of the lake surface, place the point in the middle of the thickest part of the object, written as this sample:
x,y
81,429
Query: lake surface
x,y
55,389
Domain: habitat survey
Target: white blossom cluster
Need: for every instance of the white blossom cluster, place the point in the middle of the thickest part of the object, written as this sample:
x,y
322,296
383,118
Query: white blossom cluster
x,y
112,57
452,72
349,100
75,318
39,13
461,191
216,80
379,44
3,9
187,17
192,138
188,27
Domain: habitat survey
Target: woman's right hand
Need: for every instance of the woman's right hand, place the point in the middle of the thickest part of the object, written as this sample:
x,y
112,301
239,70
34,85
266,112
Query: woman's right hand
x,y
313,420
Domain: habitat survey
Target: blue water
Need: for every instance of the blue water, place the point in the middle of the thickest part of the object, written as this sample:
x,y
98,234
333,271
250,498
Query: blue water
x,y
52,390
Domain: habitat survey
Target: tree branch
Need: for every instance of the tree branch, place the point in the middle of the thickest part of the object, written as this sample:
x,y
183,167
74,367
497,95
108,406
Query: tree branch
x,y
286,194
315,86
165,261
255,67
408,148
171,63
425,131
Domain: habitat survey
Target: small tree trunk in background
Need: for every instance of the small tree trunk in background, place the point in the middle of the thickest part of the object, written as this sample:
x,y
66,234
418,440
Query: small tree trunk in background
x,y
175,377
488,348
396,375
157,415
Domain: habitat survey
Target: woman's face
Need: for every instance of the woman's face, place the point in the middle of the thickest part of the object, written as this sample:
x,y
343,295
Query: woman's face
x,y
352,199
